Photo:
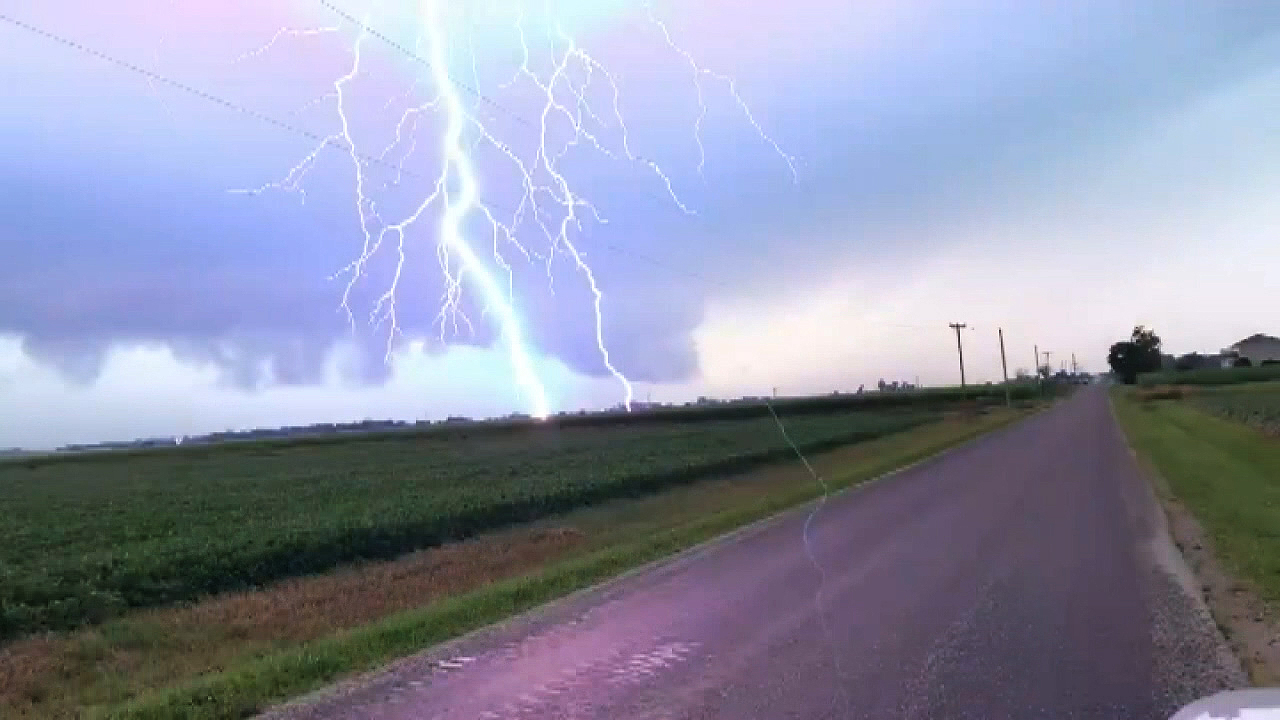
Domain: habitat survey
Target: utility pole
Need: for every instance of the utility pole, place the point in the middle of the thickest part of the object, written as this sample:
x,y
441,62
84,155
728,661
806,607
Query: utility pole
x,y
1004,367
959,347
1035,370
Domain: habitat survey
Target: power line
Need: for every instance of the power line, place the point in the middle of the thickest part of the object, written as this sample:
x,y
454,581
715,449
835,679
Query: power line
x,y
268,119
331,142
421,60
192,90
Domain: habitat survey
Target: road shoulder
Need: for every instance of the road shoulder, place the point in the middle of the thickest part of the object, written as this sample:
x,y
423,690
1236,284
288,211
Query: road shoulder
x,y
1244,627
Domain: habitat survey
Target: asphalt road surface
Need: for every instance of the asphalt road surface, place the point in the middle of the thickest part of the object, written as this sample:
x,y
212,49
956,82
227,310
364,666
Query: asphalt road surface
x,y
1025,575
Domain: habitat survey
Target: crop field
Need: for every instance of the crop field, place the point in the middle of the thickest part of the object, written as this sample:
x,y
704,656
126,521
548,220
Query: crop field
x,y
1257,404
1224,376
86,537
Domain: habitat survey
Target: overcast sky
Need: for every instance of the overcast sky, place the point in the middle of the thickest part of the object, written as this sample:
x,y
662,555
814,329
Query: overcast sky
x,y
1064,170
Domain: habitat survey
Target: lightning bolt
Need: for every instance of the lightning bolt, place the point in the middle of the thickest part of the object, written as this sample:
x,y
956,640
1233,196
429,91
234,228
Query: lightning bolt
x,y
731,85
451,239
281,34
549,206
807,539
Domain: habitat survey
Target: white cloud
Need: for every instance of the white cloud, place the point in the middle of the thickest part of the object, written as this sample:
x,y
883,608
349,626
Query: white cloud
x,y
1173,229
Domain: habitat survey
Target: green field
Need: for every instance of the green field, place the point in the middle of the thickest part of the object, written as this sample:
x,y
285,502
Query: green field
x,y
1257,405
1227,473
89,536
1214,376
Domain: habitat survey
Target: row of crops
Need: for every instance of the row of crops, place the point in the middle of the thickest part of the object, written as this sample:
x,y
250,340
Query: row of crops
x,y
1257,405
1211,376
87,538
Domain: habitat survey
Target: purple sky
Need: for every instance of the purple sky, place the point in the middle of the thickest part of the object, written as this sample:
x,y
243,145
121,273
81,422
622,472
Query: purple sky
x,y
1063,170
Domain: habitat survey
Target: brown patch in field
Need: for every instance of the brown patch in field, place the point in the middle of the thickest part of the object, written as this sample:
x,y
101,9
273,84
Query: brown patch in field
x,y
152,648
312,606
25,669
1161,392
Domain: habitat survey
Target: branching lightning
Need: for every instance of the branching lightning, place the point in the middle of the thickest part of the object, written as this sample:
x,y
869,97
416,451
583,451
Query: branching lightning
x,y
550,207
281,34
699,73
809,552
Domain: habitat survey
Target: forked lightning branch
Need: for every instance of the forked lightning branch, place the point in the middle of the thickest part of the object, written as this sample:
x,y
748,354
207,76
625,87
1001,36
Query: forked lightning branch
x,y
550,211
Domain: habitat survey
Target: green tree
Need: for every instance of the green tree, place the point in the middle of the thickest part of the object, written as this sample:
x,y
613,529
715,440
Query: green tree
x,y
1139,354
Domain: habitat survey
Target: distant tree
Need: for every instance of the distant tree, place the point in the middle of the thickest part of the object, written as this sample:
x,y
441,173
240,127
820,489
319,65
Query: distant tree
x,y
1242,362
1139,354
1269,362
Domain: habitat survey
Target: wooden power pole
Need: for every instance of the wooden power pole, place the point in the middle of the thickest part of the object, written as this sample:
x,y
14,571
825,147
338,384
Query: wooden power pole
x,y
1004,367
1035,369
959,348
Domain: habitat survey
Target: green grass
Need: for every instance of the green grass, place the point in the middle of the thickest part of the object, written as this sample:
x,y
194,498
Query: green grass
x,y
1225,472
86,538
253,685
1211,376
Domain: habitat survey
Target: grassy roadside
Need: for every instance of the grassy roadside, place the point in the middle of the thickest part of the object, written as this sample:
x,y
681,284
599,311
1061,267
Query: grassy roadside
x,y
606,540
1226,473
1218,483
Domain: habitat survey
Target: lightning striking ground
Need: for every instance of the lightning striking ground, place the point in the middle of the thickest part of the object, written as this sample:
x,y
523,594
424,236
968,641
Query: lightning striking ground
x,y
807,539
550,208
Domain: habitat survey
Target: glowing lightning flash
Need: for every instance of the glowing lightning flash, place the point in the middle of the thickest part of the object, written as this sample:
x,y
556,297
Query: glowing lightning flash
x,y
548,202
457,208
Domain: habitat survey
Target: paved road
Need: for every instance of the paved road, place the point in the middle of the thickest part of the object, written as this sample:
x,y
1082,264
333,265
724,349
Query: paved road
x,y
1024,575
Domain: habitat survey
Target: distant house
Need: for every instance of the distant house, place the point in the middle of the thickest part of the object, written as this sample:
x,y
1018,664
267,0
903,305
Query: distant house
x,y
1258,349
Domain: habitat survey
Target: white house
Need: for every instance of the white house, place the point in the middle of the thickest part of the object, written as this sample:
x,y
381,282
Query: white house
x,y
1258,349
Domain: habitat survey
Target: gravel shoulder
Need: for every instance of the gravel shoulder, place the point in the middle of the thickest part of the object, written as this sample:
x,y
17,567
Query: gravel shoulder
x,y
1243,618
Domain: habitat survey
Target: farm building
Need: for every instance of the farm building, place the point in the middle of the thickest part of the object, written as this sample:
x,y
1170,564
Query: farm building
x,y
1257,349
